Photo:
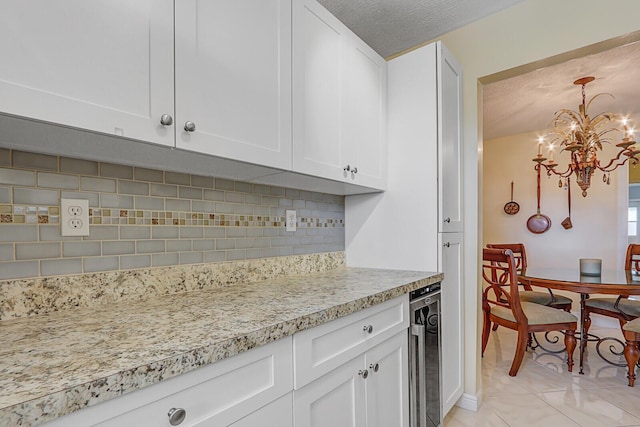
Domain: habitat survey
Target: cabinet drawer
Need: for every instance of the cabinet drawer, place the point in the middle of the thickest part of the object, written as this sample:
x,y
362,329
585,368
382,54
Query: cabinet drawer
x,y
325,347
218,394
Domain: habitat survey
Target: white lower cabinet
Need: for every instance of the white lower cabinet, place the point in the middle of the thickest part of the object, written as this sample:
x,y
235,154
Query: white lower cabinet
x,y
352,371
335,399
219,394
275,414
369,390
451,264
387,396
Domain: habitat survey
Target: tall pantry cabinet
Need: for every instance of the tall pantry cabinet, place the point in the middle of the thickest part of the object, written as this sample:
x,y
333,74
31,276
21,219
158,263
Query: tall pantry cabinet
x,y
416,224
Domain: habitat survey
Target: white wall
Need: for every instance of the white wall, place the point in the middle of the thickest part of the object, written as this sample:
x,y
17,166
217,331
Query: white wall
x,y
527,32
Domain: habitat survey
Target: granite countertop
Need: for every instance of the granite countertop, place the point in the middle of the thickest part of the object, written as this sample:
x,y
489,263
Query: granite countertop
x,y
60,362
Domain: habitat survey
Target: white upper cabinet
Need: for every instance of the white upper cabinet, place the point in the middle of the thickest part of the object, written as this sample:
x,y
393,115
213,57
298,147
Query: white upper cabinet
x,y
108,66
365,106
105,66
449,142
319,51
233,79
339,96
277,83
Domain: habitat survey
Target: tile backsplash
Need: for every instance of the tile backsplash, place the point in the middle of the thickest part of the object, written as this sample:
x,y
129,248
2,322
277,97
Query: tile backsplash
x,y
143,218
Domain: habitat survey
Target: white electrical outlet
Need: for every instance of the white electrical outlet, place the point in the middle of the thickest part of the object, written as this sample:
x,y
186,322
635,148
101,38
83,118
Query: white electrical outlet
x,y
74,217
291,220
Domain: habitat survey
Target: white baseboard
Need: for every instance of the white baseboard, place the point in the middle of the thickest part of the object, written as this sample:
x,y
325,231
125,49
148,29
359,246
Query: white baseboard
x,y
470,402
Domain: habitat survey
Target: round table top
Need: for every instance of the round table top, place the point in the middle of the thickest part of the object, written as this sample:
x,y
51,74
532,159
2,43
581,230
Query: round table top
x,y
618,282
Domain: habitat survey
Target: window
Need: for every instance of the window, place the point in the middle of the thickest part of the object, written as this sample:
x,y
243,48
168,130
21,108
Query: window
x,y
632,221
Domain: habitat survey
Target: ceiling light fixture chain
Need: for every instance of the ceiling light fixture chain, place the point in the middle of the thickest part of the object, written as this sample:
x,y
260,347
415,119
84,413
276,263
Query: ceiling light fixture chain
x,y
583,136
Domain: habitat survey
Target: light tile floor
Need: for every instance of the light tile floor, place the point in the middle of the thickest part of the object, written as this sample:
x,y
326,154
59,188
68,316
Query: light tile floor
x,y
544,393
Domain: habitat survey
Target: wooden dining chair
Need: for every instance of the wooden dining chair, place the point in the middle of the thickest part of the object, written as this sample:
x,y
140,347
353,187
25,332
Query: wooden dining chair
x,y
631,331
501,304
620,308
528,294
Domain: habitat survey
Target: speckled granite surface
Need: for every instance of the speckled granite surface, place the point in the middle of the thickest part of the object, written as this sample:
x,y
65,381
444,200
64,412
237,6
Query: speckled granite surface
x,y
54,364
29,297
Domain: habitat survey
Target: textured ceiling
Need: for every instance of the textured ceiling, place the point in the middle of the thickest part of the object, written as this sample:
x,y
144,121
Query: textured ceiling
x,y
392,26
520,104
528,102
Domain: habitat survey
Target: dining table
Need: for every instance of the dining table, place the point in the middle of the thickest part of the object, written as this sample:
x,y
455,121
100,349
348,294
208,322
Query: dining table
x,y
609,282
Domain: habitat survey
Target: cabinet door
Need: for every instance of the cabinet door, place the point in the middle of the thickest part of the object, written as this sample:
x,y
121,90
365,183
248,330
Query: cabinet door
x,y
449,141
365,104
323,348
105,66
275,414
336,399
387,388
233,79
319,56
452,326
339,93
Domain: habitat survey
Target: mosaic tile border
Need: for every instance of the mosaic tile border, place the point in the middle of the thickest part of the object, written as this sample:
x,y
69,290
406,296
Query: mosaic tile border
x,y
21,214
18,214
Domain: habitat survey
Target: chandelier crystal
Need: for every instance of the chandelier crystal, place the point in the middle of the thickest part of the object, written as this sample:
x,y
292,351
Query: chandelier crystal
x,y
582,137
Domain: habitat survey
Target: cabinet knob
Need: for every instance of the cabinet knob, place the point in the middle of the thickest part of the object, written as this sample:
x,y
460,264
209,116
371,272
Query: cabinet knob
x,y
363,373
176,416
189,126
368,328
374,367
446,245
347,168
166,120
447,220
354,170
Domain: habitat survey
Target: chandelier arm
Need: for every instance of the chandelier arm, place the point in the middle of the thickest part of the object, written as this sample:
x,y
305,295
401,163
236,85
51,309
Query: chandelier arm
x,y
551,170
608,167
614,160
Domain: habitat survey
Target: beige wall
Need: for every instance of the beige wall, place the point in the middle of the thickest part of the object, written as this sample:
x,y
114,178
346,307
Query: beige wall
x,y
595,218
528,32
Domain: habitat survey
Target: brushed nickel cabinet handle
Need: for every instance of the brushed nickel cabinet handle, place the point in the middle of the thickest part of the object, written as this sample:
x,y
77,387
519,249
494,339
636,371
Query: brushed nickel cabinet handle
x,y
166,120
189,126
176,416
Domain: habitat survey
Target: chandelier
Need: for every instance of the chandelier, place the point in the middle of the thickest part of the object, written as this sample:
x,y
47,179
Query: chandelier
x,y
582,137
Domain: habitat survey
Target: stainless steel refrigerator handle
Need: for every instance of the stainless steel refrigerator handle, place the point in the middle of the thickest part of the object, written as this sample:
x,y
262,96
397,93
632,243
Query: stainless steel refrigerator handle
x,y
419,332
